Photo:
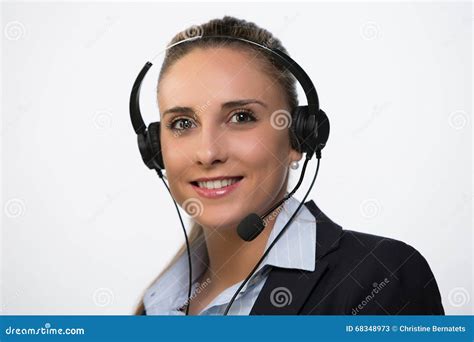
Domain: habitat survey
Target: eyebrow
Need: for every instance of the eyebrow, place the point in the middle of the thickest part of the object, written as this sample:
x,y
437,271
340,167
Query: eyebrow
x,y
226,105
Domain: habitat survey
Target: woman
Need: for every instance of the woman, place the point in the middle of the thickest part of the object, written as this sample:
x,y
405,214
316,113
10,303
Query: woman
x,y
216,101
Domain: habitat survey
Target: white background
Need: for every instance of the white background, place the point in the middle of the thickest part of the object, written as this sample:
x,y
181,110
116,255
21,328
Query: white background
x,y
86,226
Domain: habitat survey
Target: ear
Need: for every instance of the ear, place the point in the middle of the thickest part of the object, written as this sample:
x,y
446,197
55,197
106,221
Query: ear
x,y
295,155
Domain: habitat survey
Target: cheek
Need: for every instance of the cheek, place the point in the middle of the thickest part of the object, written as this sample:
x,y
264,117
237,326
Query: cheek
x,y
265,154
275,144
267,171
171,159
274,153
177,160
177,151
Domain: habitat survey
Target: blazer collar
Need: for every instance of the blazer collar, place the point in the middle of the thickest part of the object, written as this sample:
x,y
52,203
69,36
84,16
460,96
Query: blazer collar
x,y
286,290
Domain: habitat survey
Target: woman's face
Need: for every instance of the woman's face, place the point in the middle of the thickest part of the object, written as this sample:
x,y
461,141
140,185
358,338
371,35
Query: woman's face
x,y
205,133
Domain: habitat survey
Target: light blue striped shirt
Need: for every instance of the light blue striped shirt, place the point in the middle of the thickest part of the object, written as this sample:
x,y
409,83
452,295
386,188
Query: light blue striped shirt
x,y
295,249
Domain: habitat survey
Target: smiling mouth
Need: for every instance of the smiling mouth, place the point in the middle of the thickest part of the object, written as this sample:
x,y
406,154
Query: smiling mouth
x,y
217,184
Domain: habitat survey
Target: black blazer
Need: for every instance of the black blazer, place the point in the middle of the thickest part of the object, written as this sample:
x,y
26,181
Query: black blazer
x,y
355,274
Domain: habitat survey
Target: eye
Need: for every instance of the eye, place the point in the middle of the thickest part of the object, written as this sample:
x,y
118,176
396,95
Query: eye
x,y
183,124
180,124
243,114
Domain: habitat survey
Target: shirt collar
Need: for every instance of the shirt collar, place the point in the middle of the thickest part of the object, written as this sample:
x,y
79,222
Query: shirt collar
x,y
296,249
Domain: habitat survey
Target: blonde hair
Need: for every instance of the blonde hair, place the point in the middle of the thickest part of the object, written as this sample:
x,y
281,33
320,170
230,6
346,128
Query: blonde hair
x,y
230,27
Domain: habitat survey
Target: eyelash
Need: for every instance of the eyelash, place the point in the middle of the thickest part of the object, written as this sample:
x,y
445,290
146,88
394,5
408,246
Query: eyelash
x,y
250,114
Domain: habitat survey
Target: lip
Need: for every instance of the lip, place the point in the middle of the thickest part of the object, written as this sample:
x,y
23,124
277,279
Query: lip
x,y
216,193
214,178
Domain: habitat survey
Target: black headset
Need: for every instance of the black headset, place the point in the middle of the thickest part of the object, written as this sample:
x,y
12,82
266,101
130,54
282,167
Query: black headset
x,y
309,123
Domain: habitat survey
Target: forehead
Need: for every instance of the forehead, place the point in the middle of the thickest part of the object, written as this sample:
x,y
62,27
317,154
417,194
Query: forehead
x,y
217,72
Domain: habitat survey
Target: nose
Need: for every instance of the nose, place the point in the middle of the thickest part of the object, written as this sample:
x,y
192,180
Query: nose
x,y
211,145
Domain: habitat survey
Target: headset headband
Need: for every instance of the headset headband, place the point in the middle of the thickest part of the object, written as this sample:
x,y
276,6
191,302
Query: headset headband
x,y
303,78
310,124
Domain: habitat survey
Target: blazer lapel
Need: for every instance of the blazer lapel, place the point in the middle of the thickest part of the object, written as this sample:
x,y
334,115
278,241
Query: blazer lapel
x,y
286,290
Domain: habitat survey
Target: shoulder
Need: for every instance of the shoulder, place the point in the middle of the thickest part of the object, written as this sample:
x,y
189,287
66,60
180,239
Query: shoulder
x,y
386,275
366,253
351,247
359,243
397,271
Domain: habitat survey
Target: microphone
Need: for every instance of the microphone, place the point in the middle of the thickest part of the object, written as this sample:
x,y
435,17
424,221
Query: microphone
x,y
252,225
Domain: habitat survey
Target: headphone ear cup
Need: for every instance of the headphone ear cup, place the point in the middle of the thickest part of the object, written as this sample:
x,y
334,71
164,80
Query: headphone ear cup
x,y
153,137
304,127
312,131
322,130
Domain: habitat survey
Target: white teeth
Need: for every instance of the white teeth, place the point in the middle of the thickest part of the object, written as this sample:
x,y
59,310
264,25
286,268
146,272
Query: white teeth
x,y
217,184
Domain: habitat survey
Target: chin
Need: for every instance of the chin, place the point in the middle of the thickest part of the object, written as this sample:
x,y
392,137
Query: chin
x,y
219,222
